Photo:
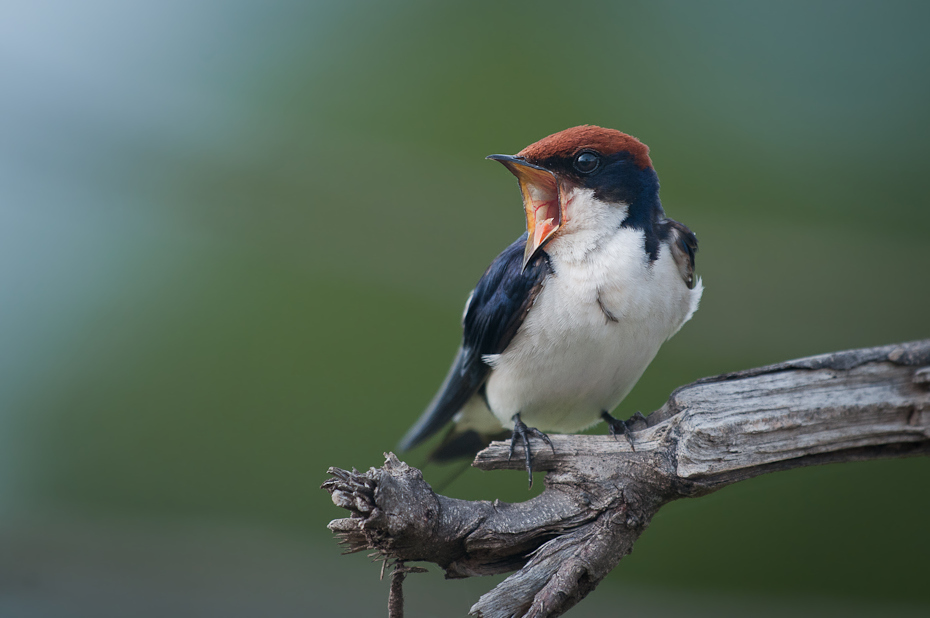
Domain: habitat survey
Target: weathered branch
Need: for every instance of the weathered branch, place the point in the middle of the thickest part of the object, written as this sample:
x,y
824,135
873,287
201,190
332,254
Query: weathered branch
x,y
600,494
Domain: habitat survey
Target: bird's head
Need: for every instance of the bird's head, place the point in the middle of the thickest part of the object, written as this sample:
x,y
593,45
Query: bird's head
x,y
579,178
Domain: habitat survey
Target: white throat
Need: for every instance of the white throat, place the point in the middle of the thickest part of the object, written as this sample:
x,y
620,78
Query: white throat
x,y
589,223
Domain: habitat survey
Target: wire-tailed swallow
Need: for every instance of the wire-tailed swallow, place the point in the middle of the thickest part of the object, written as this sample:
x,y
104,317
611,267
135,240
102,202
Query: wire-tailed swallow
x,y
564,321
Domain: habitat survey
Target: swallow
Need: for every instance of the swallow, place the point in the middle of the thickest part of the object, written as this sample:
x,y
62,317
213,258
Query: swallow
x,y
566,319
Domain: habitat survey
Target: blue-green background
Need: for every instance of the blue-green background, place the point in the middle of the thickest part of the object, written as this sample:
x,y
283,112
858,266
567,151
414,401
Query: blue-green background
x,y
235,240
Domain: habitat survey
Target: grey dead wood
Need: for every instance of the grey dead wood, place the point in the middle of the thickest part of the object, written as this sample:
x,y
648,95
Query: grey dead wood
x,y
600,494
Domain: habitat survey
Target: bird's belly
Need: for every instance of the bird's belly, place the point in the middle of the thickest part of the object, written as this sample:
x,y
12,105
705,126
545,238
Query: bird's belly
x,y
573,380
572,360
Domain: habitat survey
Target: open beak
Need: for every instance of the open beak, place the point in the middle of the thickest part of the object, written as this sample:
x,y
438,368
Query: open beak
x,y
541,201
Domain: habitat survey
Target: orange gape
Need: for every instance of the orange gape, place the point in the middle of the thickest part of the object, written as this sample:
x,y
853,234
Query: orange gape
x,y
541,204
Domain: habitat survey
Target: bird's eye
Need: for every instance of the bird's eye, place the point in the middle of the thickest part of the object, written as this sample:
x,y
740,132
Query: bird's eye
x,y
587,162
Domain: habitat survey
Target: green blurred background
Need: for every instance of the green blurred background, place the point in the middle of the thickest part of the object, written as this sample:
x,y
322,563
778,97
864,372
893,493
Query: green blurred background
x,y
235,241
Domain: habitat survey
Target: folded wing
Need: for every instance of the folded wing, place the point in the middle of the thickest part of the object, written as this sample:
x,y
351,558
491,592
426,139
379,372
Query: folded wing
x,y
493,314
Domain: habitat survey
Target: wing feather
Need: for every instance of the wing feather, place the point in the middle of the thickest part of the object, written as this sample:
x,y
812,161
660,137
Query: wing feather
x,y
684,245
493,315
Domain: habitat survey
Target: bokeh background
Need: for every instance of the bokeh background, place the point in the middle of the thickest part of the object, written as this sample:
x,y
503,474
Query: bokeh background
x,y
235,241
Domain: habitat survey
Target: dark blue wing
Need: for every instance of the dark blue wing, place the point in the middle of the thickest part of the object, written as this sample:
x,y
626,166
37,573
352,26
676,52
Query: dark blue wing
x,y
494,313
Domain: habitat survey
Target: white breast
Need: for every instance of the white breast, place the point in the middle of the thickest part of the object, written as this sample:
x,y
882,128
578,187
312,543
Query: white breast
x,y
569,361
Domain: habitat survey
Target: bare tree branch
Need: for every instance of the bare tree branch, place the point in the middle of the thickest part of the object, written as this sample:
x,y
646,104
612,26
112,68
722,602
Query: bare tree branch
x,y
600,495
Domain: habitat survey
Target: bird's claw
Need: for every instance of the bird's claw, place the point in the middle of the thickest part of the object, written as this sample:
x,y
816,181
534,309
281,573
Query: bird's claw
x,y
523,432
615,426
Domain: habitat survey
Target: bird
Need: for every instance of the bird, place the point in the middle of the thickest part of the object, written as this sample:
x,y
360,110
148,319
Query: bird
x,y
566,319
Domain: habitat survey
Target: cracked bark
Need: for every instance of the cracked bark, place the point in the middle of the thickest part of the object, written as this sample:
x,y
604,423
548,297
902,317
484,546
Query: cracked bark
x,y
600,495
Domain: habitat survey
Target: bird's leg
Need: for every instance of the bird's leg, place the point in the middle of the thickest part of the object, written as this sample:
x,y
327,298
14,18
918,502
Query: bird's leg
x,y
616,426
520,429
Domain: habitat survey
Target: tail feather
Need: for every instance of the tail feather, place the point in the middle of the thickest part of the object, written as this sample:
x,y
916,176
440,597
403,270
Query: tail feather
x,y
459,444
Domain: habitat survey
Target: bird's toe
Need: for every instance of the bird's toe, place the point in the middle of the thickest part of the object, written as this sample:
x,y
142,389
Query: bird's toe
x,y
616,427
521,431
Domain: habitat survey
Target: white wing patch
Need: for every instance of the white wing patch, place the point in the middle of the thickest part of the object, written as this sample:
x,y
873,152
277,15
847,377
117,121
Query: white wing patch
x,y
467,304
491,360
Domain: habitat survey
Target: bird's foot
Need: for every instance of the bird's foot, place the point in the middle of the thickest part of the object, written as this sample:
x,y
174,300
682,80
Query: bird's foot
x,y
523,432
615,426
